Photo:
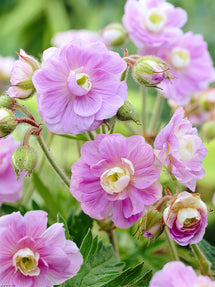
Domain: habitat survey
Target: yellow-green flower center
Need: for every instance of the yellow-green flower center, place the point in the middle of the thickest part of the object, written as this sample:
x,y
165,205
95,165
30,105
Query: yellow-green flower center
x,y
155,20
83,81
26,261
180,58
187,148
187,217
116,179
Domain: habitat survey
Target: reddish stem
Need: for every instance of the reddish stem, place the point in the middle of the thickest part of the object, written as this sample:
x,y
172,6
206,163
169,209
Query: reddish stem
x,y
27,121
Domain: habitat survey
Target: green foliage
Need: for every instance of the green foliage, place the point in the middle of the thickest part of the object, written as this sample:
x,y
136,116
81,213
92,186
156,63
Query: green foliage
x,y
60,219
78,225
100,264
102,268
137,276
209,252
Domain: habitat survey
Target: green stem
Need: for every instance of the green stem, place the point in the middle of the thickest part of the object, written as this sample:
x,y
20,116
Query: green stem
x,y
156,113
52,161
205,265
27,134
113,128
113,241
171,245
144,94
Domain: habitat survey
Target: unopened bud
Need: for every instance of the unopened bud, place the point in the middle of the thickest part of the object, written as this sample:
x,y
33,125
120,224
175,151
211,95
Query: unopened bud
x,y
151,226
114,35
6,101
208,130
24,160
126,113
207,99
21,76
150,71
7,122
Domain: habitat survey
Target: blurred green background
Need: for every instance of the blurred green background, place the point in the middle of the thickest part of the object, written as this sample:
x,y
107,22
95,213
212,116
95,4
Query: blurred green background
x,y
30,25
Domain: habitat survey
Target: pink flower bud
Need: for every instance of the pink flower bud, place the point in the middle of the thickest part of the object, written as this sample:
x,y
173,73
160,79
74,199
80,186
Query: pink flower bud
x,y
151,225
150,71
21,76
186,218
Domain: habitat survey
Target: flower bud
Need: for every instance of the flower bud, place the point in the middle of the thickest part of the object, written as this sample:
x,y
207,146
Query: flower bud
x,y
6,101
208,130
24,160
114,35
7,122
21,76
126,113
186,218
207,99
150,71
151,226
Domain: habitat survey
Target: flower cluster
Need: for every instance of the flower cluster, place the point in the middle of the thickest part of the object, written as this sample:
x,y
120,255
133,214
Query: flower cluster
x,y
32,255
81,86
118,176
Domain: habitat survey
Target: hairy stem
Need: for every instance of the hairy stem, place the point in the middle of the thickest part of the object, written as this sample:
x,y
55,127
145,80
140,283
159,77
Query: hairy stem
x,y
23,110
143,94
113,241
205,265
52,161
156,113
171,245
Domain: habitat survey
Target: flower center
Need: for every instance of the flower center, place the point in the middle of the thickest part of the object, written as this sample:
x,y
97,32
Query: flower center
x,y
83,81
180,58
27,262
188,217
155,21
116,179
187,148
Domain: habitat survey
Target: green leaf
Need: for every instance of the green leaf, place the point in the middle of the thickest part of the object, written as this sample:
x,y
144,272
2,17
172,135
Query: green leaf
x,y
209,251
143,282
35,206
133,275
60,219
7,209
78,226
100,264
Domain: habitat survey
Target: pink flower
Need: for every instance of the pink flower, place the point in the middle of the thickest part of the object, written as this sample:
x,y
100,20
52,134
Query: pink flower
x,y
10,187
186,218
118,176
79,86
176,274
21,76
190,63
32,255
153,22
179,146
63,38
